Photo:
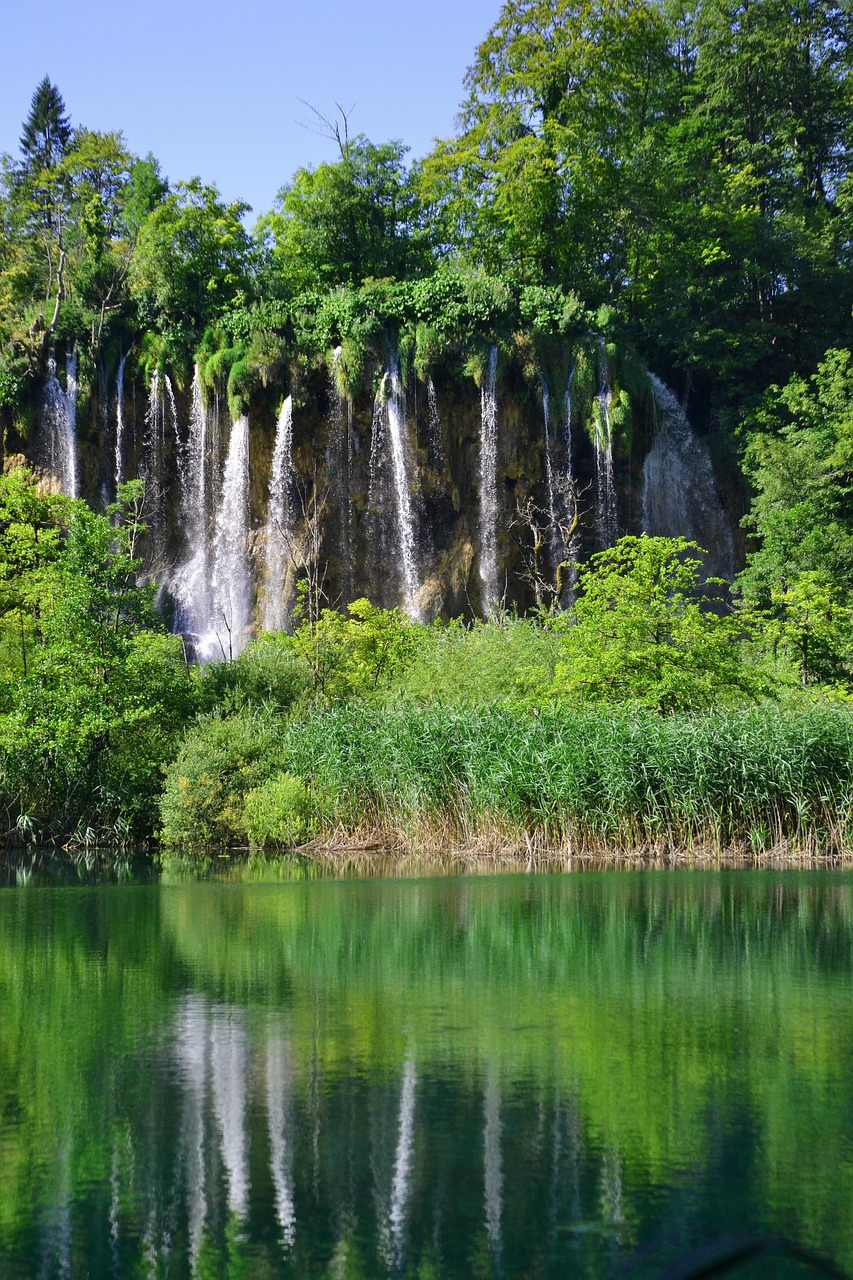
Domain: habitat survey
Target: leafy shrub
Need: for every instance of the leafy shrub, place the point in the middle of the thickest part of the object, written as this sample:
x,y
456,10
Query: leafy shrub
x,y
220,760
279,814
269,673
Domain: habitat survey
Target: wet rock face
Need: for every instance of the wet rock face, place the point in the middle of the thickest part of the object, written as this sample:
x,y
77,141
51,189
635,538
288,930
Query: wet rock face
x,y
410,496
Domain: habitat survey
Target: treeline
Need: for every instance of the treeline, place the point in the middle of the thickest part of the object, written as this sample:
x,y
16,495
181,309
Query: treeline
x,y
676,174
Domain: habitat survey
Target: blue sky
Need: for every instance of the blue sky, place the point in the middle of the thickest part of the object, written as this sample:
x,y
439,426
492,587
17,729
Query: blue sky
x,y
213,89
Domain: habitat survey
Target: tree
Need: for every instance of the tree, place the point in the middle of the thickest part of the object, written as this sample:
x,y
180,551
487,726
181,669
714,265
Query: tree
x,y
341,223
91,711
47,129
560,99
798,577
644,633
191,263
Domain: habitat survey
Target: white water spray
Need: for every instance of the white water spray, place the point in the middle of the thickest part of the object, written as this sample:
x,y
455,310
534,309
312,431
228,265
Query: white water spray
x,y
390,437
231,585
605,490
59,414
119,464
279,530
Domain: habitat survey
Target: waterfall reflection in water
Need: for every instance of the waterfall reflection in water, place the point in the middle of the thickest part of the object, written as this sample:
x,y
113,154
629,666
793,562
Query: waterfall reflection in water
x,y
514,1077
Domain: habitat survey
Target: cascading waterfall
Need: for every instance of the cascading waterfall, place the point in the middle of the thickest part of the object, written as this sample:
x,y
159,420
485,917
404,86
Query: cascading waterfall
x,y
231,584
390,436
191,580
340,465
59,414
489,485
119,462
605,490
278,538
572,551
680,495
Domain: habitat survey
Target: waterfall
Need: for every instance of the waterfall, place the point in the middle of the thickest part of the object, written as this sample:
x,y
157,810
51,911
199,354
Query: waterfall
x,y
489,485
279,529
572,551
390,436
59,414
680,496
339,460
605,491
231,581
191,580
119,468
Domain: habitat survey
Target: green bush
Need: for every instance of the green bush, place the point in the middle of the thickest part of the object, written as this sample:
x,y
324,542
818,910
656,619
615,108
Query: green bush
x,y
220,760
279,814
268,674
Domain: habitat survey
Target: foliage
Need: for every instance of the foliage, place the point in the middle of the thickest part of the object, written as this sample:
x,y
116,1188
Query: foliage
x,y
643,634
799,457
358,654
279,814
95,692
586,778
220,759
269,674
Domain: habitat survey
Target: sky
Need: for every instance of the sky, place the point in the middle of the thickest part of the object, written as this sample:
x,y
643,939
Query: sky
x,y
214,89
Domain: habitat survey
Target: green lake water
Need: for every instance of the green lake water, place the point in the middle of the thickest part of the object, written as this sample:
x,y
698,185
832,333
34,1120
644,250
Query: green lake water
x,y
580,1075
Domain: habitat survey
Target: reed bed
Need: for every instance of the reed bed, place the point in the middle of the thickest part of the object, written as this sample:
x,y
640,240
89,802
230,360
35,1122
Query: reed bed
x,y
494,783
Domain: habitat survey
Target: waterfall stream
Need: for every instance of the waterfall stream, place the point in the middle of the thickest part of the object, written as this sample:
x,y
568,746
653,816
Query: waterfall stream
x,y
489,485
278,538
191,580
680,495
231,585
389,450
59,416
605,490
119,460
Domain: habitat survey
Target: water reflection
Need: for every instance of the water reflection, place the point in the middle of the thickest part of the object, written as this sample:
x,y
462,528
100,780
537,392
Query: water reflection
x,y
436,1079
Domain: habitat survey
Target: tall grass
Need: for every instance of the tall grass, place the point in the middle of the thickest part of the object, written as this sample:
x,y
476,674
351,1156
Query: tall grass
x,y
583,780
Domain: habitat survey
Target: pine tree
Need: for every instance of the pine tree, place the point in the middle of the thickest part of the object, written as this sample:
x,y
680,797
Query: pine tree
x,y
47,129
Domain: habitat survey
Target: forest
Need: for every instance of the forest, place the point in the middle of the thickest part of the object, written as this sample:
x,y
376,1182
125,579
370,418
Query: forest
x,y
667,184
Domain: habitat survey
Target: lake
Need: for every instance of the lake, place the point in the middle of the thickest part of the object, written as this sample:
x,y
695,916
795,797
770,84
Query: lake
x,y
519,1076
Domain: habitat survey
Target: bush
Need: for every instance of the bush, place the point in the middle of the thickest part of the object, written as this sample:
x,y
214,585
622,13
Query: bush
x,y
220,760
268,674
279,814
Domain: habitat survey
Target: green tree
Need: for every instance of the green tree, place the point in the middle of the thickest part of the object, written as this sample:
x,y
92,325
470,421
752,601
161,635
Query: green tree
x,y
92,710
341,223
799,458
645,634
561,97
191,263
47,129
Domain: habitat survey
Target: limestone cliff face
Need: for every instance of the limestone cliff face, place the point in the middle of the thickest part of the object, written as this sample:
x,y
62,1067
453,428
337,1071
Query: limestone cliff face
x,y
384,496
